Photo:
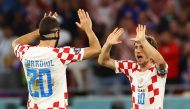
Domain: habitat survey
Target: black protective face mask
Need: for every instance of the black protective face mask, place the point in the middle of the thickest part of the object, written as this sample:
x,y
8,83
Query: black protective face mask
x,y
42,36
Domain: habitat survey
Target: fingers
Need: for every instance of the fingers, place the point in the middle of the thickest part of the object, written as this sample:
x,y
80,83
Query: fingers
x,y
82,14
55,14
78,24
118,31
51,14
141,28
88,17
45,15
115,30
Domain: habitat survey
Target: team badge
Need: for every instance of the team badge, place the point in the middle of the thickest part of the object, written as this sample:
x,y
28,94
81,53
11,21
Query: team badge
x,y
77,50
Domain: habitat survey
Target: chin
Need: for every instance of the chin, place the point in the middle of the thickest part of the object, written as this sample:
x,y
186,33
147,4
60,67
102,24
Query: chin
x,y
142,63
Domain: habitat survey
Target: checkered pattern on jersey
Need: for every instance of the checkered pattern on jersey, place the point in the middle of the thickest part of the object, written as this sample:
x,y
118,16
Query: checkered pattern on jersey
x,y
55,105
20,50
69,54
152,88
126,66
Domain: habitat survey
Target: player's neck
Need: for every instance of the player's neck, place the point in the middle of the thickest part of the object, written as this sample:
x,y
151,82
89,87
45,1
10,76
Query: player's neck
x,y
47,43
146,66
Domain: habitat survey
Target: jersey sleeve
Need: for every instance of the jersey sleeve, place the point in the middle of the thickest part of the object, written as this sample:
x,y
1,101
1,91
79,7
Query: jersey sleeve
x,y
69,54
20,50
125,66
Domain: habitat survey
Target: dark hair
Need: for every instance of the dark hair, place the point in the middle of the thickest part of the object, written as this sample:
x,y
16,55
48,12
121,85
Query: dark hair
x,y
47,24
152,41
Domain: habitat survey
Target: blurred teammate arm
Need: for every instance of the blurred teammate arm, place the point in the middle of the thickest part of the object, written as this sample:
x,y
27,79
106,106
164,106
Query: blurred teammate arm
x,y
149,49
104,58
86,25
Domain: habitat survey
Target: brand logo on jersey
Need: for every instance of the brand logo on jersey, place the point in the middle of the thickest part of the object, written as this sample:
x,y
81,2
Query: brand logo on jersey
x,y
141,89
77,50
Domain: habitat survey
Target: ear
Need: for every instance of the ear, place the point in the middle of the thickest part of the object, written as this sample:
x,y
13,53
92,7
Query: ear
x,y
57,33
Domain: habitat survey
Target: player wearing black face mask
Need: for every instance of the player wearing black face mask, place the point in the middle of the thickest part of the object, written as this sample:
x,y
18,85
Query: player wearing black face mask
x,y
49,29
45,65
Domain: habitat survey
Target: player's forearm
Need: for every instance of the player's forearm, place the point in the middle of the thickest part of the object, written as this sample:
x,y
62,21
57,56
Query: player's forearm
x,y
27,38
93,41
153,53
105,54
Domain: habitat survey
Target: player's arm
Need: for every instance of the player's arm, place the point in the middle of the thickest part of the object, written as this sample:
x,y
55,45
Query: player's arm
x,y
149,49
28,38
104,58
86,25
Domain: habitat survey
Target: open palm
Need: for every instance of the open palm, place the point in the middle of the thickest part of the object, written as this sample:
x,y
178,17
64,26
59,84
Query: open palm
x,y
141,29
113,38
85,21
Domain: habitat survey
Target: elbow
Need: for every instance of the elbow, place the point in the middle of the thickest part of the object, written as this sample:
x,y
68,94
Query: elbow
x,y
14,43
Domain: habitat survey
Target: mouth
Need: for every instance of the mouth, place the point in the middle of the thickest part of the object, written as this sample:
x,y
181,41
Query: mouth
x,y
139,57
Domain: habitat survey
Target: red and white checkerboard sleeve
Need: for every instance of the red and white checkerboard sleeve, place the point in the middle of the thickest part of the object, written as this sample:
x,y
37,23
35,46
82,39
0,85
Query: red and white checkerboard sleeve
x,y
124,66
20,50
69,54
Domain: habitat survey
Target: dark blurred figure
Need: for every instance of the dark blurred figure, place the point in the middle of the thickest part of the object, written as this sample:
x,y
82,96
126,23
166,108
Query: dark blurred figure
x,y
118,105
8,62
11,106
67,15
170,50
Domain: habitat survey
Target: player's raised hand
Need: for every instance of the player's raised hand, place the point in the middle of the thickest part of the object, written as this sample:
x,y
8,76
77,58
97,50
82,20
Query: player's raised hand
x,y
141,29
85,21
113,38
50,14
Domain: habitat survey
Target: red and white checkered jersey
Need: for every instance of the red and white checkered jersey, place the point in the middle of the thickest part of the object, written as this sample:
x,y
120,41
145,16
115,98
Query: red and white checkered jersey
x,y
45,71
147,87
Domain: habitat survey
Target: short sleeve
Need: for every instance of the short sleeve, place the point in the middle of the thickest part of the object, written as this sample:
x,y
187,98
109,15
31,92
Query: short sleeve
x,y
69,54
125,66
20,50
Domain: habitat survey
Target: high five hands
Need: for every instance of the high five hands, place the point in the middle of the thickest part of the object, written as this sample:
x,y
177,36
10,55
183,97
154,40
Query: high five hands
x,y
85,21
113,38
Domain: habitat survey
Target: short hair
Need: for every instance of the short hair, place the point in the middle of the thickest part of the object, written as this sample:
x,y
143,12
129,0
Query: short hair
x,y
152,41
47,24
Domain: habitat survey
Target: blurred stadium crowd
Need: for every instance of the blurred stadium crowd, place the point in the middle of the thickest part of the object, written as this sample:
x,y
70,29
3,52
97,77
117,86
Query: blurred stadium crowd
x,y
167,20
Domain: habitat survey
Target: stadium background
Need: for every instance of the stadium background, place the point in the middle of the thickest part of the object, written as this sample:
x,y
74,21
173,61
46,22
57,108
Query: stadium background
x,y
91,86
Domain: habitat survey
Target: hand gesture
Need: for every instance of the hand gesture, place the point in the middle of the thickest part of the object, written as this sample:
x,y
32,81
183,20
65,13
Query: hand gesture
x,y
85,21
54,15
113,38
140,33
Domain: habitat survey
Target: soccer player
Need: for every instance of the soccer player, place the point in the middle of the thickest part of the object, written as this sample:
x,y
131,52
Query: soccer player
x,y
147,74
45,64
